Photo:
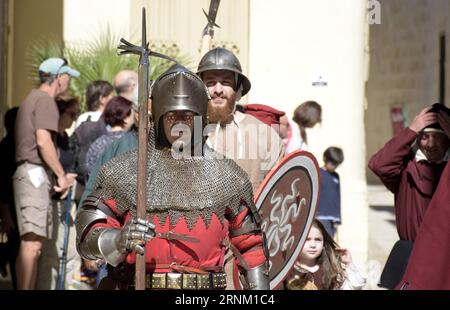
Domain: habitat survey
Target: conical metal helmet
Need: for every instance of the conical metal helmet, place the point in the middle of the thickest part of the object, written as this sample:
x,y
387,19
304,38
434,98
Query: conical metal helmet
x,y
223,59
178,89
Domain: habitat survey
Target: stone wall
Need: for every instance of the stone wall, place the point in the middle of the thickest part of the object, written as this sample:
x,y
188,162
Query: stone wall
x,y
404,65
31,20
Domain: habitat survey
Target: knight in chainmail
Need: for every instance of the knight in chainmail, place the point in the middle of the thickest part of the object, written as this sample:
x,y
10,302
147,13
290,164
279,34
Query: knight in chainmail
x,y
197,205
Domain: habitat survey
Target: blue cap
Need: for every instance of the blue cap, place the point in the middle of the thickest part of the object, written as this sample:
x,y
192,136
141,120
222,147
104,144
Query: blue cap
x,y
57,66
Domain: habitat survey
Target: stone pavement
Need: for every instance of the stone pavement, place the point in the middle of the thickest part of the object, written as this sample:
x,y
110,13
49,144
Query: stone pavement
x,y
382,231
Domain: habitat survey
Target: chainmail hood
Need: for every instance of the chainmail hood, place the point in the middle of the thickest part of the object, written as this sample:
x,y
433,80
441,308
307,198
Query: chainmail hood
x,y
189,188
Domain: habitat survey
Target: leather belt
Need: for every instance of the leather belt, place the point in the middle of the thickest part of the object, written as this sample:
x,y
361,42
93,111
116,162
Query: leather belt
x,y
185,281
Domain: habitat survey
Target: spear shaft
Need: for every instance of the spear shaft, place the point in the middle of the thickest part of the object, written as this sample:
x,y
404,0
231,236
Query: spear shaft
x,y
143,93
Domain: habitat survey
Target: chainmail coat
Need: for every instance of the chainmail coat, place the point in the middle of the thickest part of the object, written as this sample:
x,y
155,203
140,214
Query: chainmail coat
x,y
189,188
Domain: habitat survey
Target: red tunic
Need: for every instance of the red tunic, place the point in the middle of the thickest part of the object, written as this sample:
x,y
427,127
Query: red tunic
x,y
413,183
429,267
207,254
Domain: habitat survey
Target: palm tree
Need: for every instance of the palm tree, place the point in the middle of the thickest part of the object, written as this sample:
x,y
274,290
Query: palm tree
x,y
97,60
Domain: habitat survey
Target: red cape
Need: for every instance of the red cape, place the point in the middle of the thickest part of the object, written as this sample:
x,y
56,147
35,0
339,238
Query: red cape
x,y
429,263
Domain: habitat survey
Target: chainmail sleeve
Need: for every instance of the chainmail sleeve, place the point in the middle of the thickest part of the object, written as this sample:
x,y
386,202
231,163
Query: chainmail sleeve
x,y
104,208
117,179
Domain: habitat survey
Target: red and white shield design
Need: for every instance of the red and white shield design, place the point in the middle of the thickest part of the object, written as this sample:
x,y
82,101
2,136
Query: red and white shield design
x,y
287,201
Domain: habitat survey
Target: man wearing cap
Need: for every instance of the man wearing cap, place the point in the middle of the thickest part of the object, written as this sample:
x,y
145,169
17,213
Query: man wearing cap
x,y
37,160
410,165
254,146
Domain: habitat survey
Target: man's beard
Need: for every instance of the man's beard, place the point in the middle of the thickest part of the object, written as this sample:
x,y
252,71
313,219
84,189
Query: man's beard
x,y
222,114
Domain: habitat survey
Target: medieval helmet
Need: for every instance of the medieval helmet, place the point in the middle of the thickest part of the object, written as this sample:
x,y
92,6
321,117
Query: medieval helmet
x,y
178,89
222,59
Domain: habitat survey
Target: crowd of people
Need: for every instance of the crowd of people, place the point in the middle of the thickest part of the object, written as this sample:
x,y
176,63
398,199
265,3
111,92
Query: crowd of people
x,y
201,219
45,163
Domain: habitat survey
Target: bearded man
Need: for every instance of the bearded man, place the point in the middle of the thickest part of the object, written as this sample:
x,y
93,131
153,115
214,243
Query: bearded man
x,y
255,147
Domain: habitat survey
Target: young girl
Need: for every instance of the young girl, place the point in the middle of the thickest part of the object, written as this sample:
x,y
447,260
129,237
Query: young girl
x,y
324,266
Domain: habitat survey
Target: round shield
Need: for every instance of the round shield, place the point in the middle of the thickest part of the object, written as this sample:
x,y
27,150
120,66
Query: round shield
x,y
287,201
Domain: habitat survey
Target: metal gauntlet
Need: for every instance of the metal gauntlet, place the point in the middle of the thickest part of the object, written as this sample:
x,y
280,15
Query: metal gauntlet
x,y
109,243
113,244
133,235
257,278
252,278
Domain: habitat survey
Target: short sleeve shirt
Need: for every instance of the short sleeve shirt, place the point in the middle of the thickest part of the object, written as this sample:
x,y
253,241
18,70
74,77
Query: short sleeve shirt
x,y
37,111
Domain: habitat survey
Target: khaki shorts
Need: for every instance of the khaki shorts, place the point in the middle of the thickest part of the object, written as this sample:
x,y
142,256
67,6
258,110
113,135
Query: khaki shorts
x,y
33,204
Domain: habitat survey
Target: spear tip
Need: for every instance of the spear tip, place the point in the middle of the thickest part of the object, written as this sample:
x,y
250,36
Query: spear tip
x,y
144,28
